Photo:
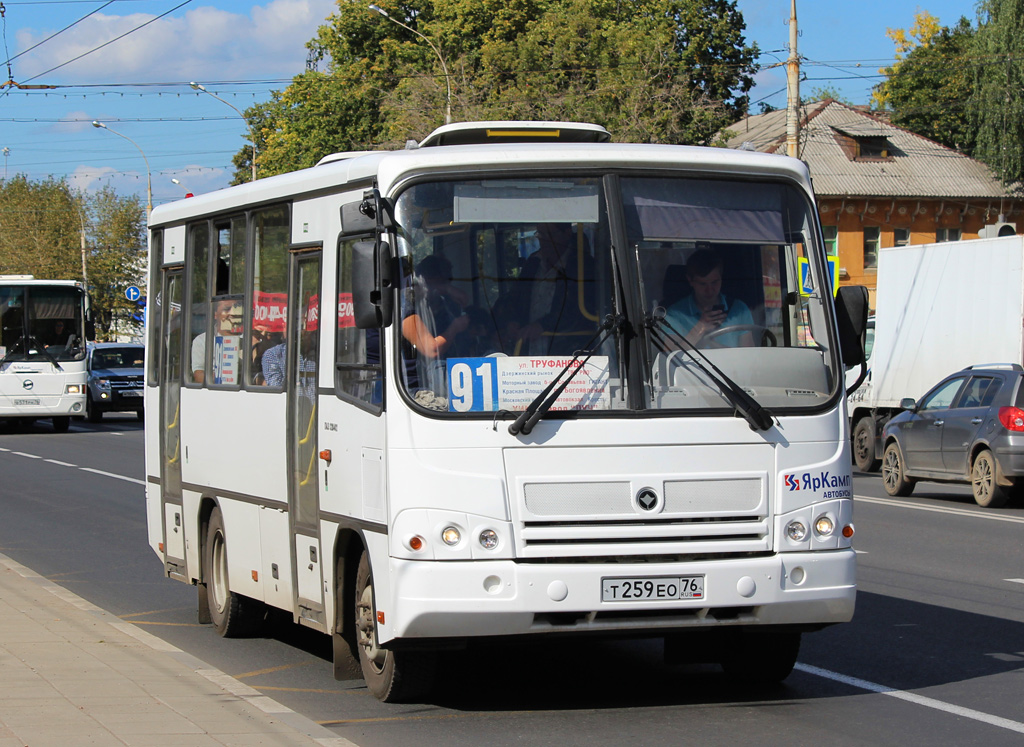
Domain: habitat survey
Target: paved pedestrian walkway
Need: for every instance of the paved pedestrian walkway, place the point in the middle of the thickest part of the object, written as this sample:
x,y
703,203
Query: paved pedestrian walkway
x,y
73,674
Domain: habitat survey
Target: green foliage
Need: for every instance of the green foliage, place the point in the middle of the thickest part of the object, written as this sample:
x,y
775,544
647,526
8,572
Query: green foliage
x,y
820,93
928,90
997,106
41,228
674,71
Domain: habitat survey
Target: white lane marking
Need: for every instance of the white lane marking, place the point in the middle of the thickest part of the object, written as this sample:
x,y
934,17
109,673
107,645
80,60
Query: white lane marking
x,y
940,509
1014,580
111,474
75,466
985,718
60,463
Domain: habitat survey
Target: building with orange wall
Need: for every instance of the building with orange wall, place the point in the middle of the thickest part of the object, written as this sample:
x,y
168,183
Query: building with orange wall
x,y
879,185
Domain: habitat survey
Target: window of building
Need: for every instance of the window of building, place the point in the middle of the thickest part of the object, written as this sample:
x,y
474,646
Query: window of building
x,y
831,236
943,235
901,237
872,236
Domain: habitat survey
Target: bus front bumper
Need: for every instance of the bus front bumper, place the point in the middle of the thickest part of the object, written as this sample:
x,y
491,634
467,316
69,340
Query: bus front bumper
x,y
499,598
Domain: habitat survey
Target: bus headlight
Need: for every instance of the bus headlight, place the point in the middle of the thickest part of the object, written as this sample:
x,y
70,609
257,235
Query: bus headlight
x,y
824,526
796,530
451,536
73,389
488,539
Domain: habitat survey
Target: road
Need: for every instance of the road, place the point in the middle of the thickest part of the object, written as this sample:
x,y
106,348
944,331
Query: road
x,y
935,654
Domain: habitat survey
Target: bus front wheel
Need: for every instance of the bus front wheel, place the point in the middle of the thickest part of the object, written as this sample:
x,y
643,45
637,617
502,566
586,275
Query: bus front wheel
x,y
233,615
392,676
756,658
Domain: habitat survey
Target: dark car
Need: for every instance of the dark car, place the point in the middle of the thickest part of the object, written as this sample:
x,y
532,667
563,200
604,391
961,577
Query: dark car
x,y
967,428
116,379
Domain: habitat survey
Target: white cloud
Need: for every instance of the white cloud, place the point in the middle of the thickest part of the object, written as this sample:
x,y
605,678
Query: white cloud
x,y
205,42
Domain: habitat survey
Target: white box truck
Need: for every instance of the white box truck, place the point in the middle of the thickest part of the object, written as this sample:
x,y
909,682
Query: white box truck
x,y
938,309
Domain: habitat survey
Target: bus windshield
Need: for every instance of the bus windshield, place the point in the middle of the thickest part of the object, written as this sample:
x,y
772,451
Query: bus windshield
x,y
41,323
638,286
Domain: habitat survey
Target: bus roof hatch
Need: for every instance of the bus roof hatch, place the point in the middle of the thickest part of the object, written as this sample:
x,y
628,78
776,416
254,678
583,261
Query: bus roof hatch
x,y
474,133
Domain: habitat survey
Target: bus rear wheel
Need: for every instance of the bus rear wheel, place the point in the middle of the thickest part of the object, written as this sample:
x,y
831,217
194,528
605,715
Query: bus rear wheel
x,y
392,676
232,615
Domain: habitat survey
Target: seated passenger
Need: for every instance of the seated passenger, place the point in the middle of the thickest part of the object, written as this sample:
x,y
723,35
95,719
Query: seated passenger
x,y
548,313
707,310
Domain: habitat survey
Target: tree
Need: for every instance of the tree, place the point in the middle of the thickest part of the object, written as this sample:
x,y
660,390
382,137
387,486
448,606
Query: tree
x,y
820,93
997,106
927,90
672,71
41,229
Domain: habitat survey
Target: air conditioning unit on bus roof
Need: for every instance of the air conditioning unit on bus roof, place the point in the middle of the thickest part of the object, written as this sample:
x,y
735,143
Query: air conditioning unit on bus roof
x,y
1000,228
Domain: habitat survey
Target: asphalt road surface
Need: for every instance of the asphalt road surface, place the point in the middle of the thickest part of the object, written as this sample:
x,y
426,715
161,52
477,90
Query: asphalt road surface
x,y
934,655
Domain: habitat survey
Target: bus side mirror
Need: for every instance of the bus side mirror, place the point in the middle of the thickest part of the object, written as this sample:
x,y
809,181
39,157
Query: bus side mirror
x,y
852,318
372,284
90,330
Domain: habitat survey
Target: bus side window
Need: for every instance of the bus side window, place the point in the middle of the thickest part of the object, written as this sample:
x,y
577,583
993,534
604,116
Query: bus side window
x,y
359,363
269,307
198,299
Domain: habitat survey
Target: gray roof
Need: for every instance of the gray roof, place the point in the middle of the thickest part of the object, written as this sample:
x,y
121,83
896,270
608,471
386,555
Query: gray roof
x,y
919,167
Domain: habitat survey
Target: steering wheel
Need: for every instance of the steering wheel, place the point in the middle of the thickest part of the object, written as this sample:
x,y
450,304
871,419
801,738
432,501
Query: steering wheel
x,y
763,336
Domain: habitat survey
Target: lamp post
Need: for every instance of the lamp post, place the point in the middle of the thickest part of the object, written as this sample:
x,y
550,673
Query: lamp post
x,y
149,177
252,137
444,67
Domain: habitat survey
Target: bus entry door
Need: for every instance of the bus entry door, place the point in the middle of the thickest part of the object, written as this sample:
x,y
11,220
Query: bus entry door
x,y
303,467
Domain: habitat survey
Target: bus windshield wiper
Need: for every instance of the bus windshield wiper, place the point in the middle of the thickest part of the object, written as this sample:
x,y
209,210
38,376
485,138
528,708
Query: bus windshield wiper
x,y
544,401
28,340
759,418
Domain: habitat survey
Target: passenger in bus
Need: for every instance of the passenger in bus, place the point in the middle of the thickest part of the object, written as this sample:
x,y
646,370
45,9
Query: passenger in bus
x,y
548,315
432,327
706,309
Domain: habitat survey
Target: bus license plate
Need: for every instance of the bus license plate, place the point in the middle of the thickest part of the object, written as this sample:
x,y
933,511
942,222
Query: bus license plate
x,y
26,402
652,589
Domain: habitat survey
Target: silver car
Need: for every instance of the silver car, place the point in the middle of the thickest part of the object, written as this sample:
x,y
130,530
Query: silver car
x,y
116,379
967,428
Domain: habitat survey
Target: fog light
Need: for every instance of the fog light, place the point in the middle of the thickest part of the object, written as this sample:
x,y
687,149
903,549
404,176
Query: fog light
x,y
796,531
77,407
450,536
488,539
824,526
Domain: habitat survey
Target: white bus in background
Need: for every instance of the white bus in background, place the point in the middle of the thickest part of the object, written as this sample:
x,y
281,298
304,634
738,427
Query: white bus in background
x,y
351,367
43,330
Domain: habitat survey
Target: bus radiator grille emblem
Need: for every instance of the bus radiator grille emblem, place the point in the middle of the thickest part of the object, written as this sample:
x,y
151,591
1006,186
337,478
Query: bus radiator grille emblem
x,y
647,499
27,384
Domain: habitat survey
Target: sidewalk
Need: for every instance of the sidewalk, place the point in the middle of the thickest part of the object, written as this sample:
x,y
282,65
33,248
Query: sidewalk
x,y
73,674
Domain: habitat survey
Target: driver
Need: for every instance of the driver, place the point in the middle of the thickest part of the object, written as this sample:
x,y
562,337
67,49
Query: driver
x,y
707,310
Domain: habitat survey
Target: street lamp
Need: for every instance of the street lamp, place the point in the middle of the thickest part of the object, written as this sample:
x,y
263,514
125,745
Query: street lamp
x,y
149,177
187,193
252,137
444,67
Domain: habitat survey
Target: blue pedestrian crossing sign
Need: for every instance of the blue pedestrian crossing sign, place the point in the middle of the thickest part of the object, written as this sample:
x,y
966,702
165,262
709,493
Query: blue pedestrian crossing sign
x,y
807,282
132,293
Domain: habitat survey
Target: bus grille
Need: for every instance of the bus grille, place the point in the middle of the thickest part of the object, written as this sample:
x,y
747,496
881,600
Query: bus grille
x,y
693,517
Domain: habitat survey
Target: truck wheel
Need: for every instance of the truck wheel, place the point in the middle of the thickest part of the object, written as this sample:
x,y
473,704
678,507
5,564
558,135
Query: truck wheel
x,y
893,476
392,676
864,446
987,492
761,658
61,424
233,615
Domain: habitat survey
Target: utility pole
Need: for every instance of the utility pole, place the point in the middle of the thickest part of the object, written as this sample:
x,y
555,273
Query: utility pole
x,y
792,88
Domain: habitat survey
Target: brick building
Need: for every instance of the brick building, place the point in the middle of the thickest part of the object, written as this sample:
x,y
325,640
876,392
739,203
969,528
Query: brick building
x,y
879,185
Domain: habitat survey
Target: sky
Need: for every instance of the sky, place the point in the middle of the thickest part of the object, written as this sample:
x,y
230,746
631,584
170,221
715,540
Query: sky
x,y
138,84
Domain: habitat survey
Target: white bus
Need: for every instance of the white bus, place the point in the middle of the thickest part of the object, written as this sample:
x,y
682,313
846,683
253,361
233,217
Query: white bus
x,y
42,349
352,368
